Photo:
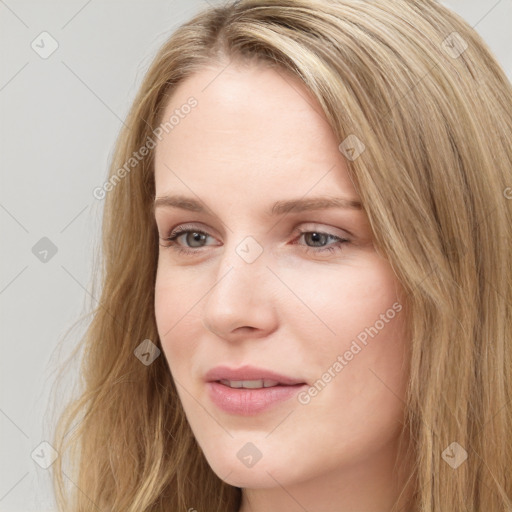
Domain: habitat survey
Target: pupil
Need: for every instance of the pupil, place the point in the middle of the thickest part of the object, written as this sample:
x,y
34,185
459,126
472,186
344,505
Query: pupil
x,y
197,236
317,237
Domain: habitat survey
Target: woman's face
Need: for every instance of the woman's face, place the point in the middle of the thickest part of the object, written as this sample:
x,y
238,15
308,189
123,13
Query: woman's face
x,y
270,285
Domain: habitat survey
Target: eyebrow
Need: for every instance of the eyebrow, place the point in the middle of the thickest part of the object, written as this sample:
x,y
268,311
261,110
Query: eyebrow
x,y
279,208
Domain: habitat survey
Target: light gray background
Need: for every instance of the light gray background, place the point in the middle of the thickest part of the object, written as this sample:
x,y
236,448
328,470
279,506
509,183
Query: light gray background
x,y
59,119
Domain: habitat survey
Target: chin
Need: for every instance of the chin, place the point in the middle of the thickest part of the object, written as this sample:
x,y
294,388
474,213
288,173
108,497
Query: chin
x,y
249,478
235,473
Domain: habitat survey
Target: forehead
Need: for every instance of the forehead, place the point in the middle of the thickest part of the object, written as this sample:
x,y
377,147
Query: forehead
x,y
252,128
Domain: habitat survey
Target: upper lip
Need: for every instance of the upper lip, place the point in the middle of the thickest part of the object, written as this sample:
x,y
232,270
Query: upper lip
x,y
248,373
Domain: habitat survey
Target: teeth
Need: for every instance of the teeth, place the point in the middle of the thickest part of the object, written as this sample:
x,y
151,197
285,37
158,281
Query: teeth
x,y
250,384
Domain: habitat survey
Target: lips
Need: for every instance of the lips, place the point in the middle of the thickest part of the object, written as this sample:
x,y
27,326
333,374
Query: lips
x,y
237,391
249,373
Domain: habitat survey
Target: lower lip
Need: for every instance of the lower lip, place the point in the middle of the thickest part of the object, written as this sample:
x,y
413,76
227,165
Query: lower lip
x,y
247,402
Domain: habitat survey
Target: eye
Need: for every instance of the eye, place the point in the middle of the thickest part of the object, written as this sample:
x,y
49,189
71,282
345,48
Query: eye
x,y
194,236
319,237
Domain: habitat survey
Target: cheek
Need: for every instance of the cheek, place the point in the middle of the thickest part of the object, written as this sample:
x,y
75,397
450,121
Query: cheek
x,y
358,353
331,307
176,314
360,373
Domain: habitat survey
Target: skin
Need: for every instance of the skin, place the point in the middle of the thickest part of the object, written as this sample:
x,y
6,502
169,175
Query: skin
x,y
258,136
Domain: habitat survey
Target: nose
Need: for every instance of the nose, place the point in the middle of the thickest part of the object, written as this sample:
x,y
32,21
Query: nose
x,y
240,303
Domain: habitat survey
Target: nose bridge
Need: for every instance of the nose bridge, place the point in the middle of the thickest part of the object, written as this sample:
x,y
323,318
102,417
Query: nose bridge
x,y
239,297
241,266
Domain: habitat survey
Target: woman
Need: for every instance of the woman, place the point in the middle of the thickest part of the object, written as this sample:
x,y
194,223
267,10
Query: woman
x,y
307,282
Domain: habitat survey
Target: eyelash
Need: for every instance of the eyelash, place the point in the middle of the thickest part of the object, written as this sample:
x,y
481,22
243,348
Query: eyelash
x,y
171,239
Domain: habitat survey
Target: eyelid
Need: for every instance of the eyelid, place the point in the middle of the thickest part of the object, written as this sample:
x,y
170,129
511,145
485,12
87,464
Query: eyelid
x,y
329,230
302,228
188,227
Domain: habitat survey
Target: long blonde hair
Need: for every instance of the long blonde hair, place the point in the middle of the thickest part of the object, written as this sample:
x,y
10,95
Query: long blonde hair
x,y
420,89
